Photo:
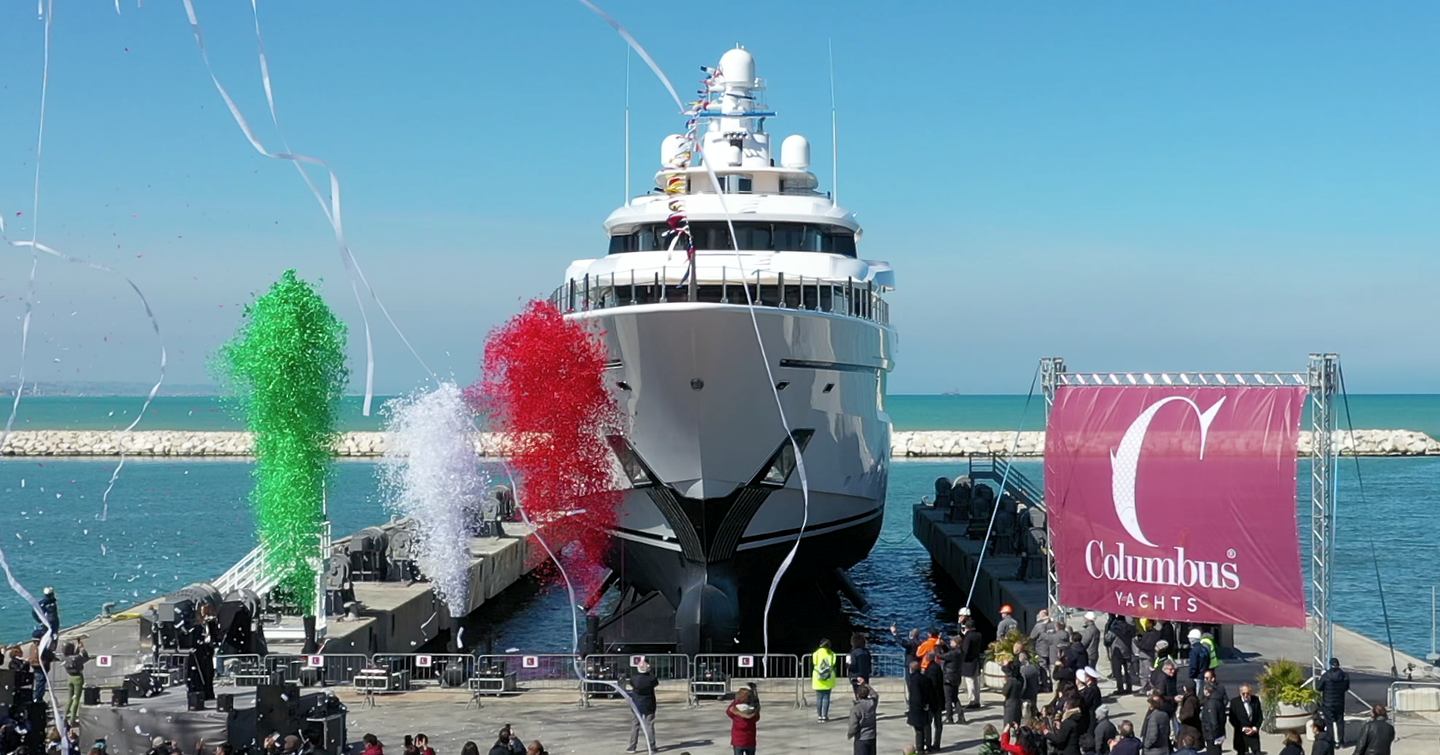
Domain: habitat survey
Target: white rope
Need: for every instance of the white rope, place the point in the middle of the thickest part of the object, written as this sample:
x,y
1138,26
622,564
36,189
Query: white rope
x,y
1000,496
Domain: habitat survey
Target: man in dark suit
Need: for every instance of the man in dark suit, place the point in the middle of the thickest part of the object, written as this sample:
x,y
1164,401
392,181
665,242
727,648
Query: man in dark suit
x,y
1245,719
916,713
935,697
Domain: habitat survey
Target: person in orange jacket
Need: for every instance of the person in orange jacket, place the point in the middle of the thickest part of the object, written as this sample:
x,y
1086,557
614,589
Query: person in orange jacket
x,y
931,643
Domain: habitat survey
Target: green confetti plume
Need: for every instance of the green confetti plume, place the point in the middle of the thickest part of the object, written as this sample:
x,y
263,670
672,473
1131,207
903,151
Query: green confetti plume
x,y
286,372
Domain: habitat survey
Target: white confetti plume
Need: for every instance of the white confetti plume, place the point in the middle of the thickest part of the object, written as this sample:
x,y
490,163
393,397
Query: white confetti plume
x,y
431,474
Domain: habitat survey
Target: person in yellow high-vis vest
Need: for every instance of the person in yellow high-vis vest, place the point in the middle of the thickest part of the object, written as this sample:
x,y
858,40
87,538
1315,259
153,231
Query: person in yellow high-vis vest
x,y
823,673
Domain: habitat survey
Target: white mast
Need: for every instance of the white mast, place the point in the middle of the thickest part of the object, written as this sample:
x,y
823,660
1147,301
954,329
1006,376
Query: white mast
x,y
627,126
834,131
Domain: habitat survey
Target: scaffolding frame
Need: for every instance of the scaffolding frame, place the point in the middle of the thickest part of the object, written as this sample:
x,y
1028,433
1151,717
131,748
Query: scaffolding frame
x,y
1322,379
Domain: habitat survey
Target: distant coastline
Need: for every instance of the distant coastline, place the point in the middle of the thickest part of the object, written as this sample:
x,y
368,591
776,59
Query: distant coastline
x,y
362,445
908,412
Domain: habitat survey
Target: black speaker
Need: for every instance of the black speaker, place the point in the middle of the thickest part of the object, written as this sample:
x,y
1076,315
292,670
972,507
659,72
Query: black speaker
x,y
138,684
35,714
224,702
92,696
330,730
277,708
119,696
195,700
454,675
7,687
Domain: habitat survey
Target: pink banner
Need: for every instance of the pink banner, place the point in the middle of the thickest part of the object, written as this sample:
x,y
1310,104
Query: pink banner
x,y
1177,502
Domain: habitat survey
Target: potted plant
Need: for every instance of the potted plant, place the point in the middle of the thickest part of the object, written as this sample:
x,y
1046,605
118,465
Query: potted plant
x,y
1001,652
1284,693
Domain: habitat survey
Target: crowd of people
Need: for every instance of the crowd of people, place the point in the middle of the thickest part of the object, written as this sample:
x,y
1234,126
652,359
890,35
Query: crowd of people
x,y
1051,701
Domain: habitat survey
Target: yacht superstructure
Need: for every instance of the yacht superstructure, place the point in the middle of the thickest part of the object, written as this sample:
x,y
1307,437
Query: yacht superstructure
x,y
714,501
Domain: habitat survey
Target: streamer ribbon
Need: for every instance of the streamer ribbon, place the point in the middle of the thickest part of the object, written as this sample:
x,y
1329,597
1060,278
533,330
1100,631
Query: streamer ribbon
x,y
330,205
46,13
39,248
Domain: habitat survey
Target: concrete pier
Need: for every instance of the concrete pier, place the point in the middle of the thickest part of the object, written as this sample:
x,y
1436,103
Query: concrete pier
x,y
398,617
392,617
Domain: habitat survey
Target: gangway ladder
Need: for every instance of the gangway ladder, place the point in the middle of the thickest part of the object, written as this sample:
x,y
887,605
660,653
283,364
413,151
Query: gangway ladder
x,y
250,573
1007,479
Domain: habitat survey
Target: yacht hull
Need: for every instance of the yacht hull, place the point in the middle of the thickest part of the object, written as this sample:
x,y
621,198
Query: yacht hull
x,y
715,503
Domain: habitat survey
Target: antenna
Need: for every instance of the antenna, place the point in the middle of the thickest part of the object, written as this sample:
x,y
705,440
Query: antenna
x,y
626,198
834,131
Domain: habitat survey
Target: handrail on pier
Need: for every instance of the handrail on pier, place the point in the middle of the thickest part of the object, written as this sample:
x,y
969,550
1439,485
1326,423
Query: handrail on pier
x,y
997,469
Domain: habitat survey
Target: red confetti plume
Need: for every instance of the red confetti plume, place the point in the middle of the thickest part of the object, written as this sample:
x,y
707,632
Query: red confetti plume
x,y
543,385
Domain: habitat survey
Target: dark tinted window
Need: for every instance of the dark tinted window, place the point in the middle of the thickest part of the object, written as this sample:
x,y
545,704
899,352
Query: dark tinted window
x,y
752,236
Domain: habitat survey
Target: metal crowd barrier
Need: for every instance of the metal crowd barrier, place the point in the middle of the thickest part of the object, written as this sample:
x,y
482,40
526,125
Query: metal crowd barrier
x,y
317,670
228,667
718,675
881,665
452,670
1413,697
889,665
522,673
672,670
708,676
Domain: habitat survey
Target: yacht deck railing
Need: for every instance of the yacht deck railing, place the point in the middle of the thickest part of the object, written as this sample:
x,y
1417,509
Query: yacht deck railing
x,y
662,285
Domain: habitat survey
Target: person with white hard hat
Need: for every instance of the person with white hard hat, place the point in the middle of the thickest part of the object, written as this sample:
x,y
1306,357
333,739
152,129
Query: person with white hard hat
x,y
1199,659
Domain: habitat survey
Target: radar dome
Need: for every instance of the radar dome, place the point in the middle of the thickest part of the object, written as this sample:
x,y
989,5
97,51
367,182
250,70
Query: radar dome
x,y
670,149
795,152
738,66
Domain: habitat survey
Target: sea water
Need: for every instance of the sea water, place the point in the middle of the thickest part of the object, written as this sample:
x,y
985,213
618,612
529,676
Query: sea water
x,y
173,523
907,412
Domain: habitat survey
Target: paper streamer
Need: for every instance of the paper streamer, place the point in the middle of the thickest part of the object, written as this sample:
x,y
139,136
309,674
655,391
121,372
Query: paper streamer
x,y
330,205
750,308
154,325
286,369
36,248
431,473
46,14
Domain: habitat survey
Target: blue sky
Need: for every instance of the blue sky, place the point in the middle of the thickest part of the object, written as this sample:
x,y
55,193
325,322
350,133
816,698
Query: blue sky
x,y
1129,185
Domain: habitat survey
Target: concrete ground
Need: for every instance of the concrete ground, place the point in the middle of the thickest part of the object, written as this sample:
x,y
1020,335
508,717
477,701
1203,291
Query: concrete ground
x,y
564,727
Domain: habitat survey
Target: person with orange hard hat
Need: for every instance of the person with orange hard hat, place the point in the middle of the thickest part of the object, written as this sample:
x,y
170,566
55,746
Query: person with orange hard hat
x,y
1007,623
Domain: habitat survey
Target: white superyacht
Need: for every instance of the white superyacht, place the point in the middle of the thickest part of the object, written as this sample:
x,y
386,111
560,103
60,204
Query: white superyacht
x,y
714,501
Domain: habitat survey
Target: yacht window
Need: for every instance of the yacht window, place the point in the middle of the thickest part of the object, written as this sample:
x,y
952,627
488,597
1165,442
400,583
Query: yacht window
x,y
752,236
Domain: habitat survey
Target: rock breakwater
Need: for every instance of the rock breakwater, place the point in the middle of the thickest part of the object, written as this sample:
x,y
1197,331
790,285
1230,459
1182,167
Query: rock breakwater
x,y
913,444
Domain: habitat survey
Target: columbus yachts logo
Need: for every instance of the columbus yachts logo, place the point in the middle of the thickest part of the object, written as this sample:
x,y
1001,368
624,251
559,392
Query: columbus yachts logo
x,y
1125,462
1170,566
